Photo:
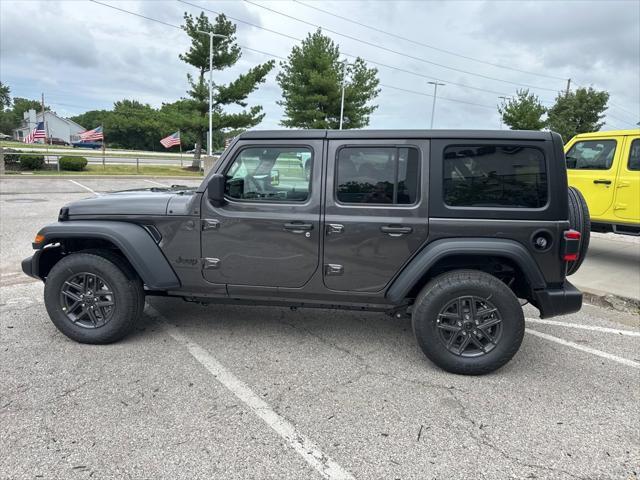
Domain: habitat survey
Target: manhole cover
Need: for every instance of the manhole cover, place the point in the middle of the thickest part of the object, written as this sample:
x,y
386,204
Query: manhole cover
x,y
26,200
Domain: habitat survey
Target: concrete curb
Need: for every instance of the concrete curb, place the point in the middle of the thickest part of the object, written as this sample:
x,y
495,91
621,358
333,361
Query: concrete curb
x,y
609,300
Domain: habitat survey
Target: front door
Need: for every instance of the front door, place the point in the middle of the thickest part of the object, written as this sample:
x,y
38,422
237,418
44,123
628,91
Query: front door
x,y
627,205
376,211
591,166
268,231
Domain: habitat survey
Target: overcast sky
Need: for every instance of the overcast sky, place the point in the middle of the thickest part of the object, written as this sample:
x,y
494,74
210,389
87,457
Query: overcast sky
x,y
85,56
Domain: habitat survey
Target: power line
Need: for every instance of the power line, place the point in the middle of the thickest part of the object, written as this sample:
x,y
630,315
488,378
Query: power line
x,y
493,107
396,52
277,56
415,42
368,60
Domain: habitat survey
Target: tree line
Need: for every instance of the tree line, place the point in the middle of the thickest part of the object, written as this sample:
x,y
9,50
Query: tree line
x,y
573,112
311,79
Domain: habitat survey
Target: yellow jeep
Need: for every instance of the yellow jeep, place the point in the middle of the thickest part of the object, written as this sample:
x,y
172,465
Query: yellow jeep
x,y
605,167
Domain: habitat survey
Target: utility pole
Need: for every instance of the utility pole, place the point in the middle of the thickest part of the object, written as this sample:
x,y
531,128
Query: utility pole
x,y
344,67
504,100
566,93
211,35
435,94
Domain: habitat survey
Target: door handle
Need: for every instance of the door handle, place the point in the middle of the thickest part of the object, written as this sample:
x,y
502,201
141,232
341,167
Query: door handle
x,y
396,230
602,181
295,227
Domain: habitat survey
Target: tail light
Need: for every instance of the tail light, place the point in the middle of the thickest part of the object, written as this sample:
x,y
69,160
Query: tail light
x,y
571,246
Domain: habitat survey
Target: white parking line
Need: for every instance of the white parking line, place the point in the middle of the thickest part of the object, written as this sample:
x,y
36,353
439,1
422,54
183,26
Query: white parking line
x,y
592,351
85,187
595,328
157,183
308,450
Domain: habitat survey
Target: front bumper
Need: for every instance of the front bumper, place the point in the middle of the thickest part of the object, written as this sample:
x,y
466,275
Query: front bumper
x,y
558,301
31,264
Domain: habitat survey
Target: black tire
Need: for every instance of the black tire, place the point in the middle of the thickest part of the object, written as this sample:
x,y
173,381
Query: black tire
x,y
444,290
126,292
579,220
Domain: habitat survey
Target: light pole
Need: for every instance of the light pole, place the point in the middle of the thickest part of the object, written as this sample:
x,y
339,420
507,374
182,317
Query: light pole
x,y
211,35
435,94
344,66
504,99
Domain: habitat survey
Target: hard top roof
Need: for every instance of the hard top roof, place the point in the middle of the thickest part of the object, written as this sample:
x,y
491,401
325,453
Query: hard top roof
x,y
391,134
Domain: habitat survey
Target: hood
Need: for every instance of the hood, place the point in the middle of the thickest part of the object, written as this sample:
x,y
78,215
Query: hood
x,y
148,201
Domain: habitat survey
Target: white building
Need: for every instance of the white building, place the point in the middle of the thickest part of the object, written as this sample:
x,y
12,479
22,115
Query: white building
x,y
55,126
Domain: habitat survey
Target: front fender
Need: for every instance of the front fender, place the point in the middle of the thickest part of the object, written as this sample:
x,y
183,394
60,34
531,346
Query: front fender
x,y
429,256
135,243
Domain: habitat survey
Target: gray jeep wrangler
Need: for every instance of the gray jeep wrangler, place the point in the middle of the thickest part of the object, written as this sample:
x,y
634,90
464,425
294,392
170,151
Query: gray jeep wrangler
x,y
449,227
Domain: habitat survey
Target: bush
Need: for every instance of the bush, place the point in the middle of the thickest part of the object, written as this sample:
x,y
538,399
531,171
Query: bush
x,y
31,162
74,164
11,156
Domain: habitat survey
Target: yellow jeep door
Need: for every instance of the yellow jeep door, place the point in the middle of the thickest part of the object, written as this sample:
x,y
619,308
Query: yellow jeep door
x,y
627,204
591,164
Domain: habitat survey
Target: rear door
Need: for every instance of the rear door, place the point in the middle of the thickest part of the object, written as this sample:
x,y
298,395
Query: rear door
x,y
268,231
591,167
627,204
376,212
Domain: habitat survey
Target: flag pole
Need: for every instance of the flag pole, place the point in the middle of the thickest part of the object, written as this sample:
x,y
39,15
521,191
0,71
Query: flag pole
x,y
104,166
180,138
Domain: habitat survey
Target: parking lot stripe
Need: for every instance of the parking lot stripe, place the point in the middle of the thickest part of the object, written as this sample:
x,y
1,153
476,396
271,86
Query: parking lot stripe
x,y
595,328
592,351
308,450
156,183
85,187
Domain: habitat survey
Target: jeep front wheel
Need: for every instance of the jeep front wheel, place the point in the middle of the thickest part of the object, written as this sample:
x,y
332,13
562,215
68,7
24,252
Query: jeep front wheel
x,y
468,322
93,298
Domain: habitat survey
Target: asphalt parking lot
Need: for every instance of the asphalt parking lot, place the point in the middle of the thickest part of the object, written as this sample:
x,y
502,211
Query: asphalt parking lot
x,y
256,392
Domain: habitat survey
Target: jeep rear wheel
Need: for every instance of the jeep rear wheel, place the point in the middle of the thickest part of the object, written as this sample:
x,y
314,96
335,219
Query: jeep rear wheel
x,y
579,220
93,298
468,322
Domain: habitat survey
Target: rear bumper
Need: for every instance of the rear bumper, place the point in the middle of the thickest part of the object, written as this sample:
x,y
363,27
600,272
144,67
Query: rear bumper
x,y
558,301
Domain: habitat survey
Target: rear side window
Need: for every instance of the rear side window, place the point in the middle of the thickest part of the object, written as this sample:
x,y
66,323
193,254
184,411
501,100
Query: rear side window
x,y
591,155
378,175
494,176
634,155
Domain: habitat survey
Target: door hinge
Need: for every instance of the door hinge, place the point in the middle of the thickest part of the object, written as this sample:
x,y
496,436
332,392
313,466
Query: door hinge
x,y
333,269
210,263
210,224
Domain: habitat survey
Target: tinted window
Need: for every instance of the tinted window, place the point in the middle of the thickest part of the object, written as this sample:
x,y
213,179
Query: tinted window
x,y
591,155
494,176
634,155
386,175
274,174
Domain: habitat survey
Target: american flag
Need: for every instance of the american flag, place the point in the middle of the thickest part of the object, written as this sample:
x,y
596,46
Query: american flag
x,y
92,135
37,132
171,140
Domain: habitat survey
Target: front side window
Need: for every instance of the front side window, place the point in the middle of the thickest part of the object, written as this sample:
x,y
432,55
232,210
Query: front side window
x,y
591,155
378,175
494,176
271,174
634,155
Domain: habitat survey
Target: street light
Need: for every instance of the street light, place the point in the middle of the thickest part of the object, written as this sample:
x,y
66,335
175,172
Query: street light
x,y
211,35
435,93
504,99
344,65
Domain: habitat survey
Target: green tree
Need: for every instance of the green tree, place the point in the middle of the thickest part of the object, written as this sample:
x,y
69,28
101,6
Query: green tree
x,y
578,112
226,53
524,112
5,96
311,82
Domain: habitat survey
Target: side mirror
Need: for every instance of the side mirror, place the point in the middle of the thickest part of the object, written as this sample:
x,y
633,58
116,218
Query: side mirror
x,y
215,189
